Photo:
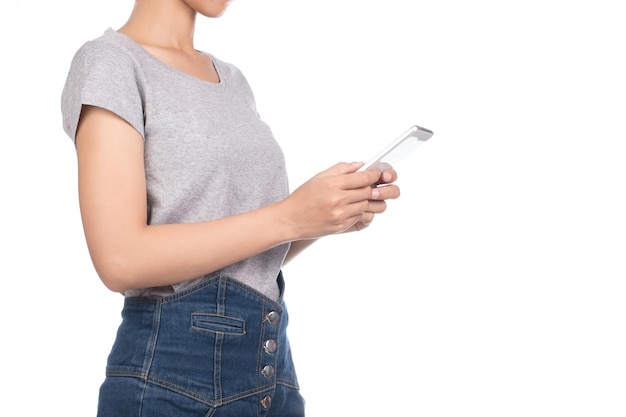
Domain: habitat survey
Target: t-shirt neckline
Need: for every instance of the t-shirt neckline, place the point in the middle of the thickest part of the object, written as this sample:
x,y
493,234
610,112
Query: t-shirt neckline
x,y
170,68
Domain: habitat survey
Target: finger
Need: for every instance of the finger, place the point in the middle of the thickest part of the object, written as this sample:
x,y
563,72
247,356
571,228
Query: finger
x,y
353,221
363,218
376,207
365,221
341,168
388,176
359,210
385,192
359,179
361,195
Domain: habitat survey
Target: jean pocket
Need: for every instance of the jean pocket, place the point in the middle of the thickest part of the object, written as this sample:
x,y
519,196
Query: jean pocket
x,y
215,323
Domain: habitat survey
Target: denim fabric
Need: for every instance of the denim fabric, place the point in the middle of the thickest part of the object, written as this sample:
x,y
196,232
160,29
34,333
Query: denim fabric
x,y
216,350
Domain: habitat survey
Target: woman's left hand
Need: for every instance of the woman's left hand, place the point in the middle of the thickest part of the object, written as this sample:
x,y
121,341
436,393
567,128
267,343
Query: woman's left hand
x,y
381,191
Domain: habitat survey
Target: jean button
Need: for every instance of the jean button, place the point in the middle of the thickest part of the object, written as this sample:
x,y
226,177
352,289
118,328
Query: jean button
x,y
273,317
266,402
270,346
267,371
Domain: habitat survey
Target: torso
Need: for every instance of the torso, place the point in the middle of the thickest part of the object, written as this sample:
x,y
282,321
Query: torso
x,y
207,154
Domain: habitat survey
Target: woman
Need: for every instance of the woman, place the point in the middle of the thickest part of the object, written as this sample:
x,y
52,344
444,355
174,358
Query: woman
x,y
186,212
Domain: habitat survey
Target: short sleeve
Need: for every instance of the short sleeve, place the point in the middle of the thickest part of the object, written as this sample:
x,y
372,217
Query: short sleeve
x,y
102,75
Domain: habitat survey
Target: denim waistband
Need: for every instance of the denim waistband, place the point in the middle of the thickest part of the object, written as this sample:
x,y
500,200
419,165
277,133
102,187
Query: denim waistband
x,y
216,343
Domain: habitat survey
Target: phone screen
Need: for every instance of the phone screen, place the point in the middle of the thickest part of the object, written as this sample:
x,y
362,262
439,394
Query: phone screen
x,y
398,149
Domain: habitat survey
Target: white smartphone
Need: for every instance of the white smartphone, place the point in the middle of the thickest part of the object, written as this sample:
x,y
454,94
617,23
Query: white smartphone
x,y
398,149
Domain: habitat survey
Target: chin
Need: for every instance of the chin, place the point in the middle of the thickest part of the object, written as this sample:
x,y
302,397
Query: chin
x,y
217,9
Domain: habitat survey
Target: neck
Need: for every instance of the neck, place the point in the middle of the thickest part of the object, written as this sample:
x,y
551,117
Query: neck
x,y
162,23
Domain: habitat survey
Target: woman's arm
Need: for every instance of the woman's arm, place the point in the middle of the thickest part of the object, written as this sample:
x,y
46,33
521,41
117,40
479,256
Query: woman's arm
x,y
296,248
128,253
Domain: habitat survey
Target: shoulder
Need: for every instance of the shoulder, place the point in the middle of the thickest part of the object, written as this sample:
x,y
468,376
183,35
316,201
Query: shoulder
x,y
109,62
111,49
104,73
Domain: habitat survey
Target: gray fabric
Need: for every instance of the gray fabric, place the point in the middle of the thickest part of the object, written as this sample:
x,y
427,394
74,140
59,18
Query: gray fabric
x,y
207,153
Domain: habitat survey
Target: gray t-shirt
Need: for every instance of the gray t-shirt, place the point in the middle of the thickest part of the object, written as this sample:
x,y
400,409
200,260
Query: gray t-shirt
x,y
207,153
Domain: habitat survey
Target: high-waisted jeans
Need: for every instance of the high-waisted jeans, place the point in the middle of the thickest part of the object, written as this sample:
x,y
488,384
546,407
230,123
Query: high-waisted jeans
x,y
216,350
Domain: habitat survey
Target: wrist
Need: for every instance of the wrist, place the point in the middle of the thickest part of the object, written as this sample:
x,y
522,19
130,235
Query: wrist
x,y
285,224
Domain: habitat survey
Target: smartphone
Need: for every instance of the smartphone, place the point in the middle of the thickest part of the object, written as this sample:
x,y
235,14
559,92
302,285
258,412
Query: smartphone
x,y
398,149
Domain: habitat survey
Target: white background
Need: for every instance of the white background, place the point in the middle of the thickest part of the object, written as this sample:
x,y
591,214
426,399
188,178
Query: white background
x,y
493,287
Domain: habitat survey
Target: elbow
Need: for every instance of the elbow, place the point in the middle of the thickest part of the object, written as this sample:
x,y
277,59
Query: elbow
x,y
117,274
113,284
118,256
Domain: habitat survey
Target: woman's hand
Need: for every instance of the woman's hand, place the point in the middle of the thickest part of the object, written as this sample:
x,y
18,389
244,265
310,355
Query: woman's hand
x,y
339,200
381,191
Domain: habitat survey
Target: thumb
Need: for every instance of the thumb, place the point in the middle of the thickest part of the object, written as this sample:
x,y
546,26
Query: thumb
x,y
342,168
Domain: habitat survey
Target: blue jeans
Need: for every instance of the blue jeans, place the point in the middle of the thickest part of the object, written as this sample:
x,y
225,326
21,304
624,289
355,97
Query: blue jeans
x,y
216,350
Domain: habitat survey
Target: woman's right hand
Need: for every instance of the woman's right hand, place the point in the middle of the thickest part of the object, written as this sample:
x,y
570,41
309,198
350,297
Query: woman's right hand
x,y
336,199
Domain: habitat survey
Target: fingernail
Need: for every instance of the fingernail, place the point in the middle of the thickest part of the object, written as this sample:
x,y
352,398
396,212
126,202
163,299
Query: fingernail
x,y
375,193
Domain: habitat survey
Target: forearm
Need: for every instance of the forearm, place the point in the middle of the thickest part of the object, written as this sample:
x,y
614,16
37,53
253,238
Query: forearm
x,y
297,247
152,256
